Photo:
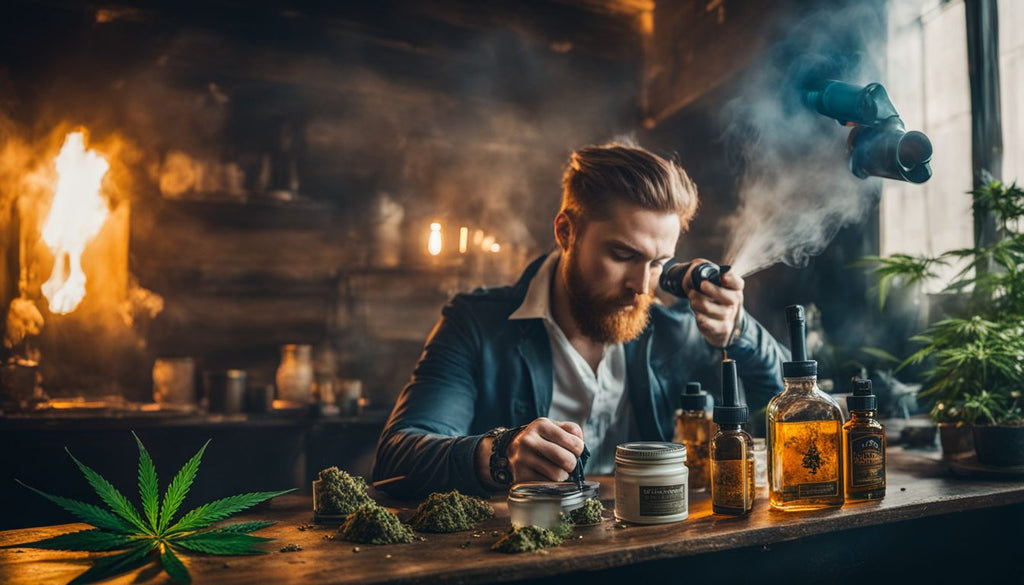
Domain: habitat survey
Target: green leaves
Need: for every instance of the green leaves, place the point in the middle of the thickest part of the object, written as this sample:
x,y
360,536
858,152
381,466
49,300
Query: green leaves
x,y
149,490
114,564
215,542
246,527
87,540
207,514
178,489
977,354
906,268
87,513
110,496
122,528
174,567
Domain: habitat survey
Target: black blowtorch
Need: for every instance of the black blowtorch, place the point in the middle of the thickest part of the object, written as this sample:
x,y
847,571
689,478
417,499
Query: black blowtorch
x,y
674,273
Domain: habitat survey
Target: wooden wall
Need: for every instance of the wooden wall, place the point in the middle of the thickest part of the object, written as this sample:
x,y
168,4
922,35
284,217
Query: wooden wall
x,y
305,121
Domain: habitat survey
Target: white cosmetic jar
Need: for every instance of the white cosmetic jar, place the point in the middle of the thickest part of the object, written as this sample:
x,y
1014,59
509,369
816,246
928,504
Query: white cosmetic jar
x,y
651,481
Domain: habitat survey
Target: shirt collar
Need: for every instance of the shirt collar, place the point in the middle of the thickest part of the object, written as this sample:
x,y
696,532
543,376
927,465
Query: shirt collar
x,y
537,302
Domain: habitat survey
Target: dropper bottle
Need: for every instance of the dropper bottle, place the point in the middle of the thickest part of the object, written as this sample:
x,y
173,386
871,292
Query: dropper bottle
x,y
863,446
732,452
805,464
693,429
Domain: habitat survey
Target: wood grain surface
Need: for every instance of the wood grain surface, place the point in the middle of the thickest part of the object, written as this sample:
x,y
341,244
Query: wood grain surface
x,y
919,485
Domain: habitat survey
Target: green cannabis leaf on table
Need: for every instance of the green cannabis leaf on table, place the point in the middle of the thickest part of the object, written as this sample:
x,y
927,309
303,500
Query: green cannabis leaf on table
x,y
154,532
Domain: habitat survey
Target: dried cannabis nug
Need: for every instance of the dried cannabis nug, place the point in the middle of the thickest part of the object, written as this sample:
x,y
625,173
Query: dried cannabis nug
x,y
450,512
340,493
374,524
530,538
589,513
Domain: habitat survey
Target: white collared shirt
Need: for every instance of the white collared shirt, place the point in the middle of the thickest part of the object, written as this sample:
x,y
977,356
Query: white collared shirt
x,y
597,401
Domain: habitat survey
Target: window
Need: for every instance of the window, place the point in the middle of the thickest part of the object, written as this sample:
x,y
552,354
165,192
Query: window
x,y
927,79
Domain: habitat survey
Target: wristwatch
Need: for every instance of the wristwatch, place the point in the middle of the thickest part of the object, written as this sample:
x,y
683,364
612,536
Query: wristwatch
x,y
501,473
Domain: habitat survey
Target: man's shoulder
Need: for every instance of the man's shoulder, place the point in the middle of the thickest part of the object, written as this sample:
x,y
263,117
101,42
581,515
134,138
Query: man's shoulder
x,y
487,303
494,303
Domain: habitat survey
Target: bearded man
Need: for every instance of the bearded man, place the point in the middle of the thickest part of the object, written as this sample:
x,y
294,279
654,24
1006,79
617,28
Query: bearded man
x,y
514,381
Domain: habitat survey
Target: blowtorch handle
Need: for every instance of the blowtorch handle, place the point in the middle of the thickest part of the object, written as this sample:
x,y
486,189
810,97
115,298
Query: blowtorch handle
x,y
674,273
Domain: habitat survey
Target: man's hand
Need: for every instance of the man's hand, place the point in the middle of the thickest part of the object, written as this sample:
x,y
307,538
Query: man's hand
x,y
546,450
717,308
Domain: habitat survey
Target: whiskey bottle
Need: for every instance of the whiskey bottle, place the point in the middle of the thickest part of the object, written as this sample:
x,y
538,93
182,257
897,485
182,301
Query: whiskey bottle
x,y
693,429
805,464
732,452
863,446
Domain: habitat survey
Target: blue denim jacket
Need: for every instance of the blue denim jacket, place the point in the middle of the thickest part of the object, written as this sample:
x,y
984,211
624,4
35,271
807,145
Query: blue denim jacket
x,y
479,370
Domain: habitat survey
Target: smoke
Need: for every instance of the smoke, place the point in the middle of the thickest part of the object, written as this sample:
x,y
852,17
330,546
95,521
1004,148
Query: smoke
x,y
796,190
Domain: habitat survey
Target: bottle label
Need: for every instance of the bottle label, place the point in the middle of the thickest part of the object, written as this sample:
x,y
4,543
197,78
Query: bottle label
x,y
867,461
662,500
733,484
809,459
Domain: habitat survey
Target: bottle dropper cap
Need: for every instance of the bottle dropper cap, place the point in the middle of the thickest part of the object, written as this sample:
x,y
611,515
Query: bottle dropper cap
x,y
800,366
863,398
693,398
731,412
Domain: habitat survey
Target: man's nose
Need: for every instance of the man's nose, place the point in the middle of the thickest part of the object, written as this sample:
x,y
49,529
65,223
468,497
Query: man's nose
x,y
639,280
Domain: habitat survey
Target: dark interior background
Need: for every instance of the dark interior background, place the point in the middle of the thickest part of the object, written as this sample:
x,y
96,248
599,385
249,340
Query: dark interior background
x,y
462,112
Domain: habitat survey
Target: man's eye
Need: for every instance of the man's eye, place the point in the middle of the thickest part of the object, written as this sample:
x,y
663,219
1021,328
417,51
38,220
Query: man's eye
x,y
621,256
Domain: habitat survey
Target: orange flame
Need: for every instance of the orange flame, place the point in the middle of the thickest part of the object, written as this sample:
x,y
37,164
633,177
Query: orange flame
x,y
76,216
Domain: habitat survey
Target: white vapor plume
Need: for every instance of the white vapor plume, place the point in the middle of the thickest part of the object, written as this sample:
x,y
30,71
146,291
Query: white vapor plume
x,y
797,190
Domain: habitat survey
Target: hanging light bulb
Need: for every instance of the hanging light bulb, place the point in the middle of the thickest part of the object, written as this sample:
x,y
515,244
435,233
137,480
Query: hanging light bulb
x,y
434,242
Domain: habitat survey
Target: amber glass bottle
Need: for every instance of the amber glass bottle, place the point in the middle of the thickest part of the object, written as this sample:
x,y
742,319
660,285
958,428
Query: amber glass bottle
x,y
863,446
732,452
693,429
805,465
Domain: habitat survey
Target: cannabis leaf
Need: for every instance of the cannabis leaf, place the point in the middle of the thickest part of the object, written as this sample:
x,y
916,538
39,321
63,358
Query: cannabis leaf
x,y
143,536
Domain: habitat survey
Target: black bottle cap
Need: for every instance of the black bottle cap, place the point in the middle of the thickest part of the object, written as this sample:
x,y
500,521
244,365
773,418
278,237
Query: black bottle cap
x,y
731,412
863,398
693,398
797,332
802,369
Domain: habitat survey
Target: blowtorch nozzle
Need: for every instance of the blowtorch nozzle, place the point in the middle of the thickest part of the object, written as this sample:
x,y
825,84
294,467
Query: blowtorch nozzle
x,y
879,145
673,275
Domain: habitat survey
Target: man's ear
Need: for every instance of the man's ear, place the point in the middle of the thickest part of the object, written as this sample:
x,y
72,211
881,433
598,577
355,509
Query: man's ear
x,y
563,230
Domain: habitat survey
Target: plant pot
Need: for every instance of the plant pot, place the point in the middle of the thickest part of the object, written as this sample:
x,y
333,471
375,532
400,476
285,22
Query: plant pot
x,y
999,445
957,440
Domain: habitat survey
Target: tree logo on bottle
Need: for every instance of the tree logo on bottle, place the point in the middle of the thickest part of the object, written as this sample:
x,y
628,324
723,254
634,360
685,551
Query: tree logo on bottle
x,y
812,459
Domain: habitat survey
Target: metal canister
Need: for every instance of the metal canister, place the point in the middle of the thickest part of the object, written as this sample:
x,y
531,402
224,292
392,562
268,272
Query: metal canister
x,y
542,504
651,483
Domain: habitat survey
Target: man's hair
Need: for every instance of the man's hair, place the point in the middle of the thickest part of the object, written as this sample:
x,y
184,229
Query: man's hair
x,y
599,175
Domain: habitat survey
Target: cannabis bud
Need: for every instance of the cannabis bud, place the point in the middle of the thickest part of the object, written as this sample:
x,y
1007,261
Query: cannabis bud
x,y
450,512
530,538
374,524
337,492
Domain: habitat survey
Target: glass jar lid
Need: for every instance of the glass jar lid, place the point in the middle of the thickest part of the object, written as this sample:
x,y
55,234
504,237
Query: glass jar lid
x,y
543,491
651,452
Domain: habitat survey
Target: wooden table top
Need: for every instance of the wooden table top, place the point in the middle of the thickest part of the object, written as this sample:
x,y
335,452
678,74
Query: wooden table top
x,y
919,485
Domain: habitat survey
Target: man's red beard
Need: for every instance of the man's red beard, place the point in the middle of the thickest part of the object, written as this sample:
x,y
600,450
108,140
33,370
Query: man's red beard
x,y
604,319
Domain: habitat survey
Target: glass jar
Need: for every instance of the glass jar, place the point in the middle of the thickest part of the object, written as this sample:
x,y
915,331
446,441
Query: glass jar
x,y
540,503
651,483
295,374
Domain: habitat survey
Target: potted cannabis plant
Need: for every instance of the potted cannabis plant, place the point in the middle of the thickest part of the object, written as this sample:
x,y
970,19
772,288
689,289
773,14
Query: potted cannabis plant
x,y
975,353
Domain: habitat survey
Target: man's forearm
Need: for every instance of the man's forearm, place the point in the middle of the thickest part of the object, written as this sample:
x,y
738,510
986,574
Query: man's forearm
x,y
418,463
